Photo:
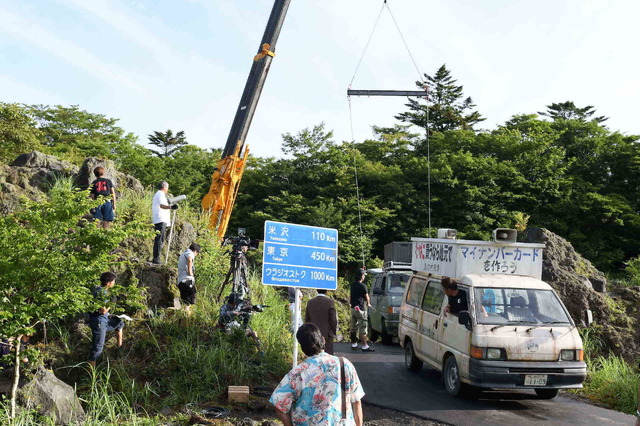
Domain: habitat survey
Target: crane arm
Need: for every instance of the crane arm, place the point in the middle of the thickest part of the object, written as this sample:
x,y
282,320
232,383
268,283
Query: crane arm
x,y
226,178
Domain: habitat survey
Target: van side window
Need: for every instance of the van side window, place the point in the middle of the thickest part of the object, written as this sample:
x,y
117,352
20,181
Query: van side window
x,y
433,298
376,285
383,287
416,290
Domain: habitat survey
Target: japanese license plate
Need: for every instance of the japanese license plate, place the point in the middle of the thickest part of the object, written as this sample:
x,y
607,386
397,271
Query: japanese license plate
x,y
535,380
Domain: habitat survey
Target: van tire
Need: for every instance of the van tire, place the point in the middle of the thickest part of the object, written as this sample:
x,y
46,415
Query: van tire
x,y
451,377
410,360
387,339
547,393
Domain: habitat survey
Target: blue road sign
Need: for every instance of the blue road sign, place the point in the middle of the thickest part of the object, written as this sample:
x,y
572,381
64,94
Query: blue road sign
x,y
300,256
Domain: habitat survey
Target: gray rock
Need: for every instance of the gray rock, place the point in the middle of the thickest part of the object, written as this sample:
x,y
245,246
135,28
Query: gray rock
x,y
52,397
85,176
160,282
120,180
38,160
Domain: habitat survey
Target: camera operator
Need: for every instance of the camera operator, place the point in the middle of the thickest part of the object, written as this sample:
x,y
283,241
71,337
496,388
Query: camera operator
x,y
161,215
235,314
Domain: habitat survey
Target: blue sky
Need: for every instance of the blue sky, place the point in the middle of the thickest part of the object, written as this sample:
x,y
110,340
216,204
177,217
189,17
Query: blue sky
x,y
182,65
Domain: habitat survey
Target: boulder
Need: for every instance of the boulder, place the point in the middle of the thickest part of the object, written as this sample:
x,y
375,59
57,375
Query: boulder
x,y
38,160
160,283
120,180
51,397
571,275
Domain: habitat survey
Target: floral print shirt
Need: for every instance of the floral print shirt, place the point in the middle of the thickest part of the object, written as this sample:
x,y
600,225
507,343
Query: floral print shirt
x,y
311,392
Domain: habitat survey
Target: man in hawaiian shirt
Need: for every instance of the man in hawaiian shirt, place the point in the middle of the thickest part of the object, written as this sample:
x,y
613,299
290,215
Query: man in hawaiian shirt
x,y
310,394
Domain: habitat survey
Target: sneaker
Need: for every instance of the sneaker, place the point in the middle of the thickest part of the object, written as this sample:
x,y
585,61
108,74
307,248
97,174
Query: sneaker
x,y
354,347
369,349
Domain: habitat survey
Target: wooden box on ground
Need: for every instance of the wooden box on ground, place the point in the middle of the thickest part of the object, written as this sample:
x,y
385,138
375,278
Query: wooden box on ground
x,y
238,394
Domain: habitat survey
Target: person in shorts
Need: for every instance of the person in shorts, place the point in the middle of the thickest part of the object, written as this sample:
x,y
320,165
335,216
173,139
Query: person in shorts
x,y
359,306
100,321
186,277
105,212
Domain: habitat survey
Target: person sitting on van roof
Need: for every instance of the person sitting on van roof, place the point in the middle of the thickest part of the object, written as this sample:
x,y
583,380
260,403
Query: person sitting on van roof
x,y
457,297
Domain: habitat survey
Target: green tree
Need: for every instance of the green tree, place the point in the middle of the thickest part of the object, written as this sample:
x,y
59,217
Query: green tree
x,y
74,134
569,111
18,132
447,108
167,142
49,263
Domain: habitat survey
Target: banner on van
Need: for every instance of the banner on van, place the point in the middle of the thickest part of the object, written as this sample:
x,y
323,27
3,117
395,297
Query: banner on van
x,y
455,258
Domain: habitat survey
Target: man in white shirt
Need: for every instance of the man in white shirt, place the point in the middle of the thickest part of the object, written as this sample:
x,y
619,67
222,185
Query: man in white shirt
x,y
160,210
186,279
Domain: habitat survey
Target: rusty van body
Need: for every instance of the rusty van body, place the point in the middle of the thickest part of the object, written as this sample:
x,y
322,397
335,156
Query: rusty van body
x,y
515,332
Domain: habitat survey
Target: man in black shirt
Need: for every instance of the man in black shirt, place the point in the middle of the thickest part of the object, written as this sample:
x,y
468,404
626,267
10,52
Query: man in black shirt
x,y
359,304
104,187
457,297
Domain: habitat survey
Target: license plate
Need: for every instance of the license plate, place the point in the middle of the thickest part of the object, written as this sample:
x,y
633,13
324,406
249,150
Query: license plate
x,y
535,380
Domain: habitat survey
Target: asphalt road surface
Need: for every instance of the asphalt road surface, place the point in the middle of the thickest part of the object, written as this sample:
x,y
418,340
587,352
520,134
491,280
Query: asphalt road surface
x,y
387,383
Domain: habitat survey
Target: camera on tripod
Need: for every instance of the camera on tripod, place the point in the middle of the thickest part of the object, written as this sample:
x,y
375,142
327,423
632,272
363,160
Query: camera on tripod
x,y
241,241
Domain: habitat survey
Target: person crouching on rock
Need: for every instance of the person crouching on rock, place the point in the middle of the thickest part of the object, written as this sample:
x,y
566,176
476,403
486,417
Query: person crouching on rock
x,y
100,321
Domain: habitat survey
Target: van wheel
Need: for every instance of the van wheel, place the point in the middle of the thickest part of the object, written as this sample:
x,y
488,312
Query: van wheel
x,y
547,393
451,377
410,361
387,339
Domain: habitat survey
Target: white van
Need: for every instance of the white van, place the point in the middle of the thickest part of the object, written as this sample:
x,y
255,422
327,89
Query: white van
x,y
515,334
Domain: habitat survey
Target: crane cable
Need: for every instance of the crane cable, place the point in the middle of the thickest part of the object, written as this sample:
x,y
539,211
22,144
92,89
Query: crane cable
x,y
424,85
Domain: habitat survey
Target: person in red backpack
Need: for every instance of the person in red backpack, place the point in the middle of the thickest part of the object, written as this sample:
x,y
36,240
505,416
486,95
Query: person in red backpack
x,y
101,186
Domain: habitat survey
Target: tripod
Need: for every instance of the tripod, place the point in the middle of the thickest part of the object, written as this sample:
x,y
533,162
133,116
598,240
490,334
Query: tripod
x,y
237,273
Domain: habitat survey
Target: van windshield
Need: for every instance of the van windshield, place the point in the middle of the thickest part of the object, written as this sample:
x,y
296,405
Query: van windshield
x,y
397,283
519,306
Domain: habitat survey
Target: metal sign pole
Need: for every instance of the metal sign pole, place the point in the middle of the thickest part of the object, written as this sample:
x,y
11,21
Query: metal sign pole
x,y
296,320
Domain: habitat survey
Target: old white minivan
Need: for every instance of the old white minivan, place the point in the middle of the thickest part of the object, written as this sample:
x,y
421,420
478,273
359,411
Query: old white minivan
x,y
515,333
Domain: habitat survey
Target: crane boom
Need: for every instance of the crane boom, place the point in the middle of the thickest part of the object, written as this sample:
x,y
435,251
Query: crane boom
x,y
227,175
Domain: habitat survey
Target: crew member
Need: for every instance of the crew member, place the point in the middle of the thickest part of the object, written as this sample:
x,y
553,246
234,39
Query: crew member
x,y
321,311
100,321
359,304
186,275
105,212
161,218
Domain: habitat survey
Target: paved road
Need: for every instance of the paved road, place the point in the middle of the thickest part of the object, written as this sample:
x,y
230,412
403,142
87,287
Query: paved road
x,y
387,383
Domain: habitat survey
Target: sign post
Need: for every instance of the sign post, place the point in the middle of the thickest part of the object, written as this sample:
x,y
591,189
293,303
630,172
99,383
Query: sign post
x,y
299,256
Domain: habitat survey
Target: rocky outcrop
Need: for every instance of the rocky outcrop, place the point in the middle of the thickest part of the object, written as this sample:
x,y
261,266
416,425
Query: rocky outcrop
x,y
581,286
160,283
120,180
51,397
31,175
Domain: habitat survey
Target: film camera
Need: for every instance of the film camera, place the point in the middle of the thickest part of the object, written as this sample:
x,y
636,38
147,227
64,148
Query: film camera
x,y
239,242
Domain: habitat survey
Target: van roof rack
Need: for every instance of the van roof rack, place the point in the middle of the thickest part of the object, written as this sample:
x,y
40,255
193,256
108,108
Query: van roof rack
x,y
397,265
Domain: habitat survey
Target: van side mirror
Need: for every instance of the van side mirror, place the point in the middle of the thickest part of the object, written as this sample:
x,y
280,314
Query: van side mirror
x,y
588,317
464,318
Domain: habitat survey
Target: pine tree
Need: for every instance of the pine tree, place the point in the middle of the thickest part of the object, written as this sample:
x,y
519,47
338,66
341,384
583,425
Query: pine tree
x,y
448,110
167,142
569,111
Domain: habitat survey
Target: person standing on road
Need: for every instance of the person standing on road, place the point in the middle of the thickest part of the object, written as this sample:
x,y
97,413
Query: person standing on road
x,y
105,212
359,304
322,390
321,311
186,275
161,218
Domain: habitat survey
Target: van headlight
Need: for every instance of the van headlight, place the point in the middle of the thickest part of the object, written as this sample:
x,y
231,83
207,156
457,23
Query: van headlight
x,y
487,353
494,353
571,355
